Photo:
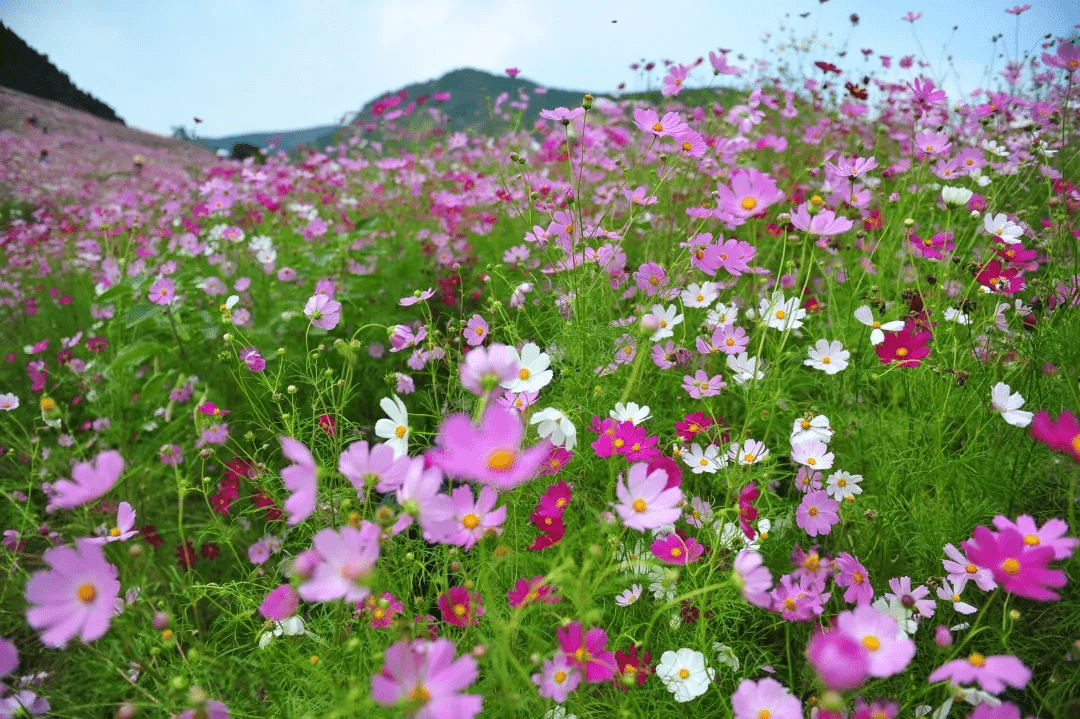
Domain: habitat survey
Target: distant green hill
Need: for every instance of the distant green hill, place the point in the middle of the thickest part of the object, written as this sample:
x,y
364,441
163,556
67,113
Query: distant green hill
x,y
473,106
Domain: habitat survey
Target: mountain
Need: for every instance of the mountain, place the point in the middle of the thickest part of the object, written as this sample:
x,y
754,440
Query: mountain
x,y
23,68
286,139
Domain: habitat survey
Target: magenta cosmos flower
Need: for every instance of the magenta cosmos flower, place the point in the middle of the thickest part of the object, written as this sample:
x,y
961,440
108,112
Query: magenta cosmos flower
x,y
91,481
280,604
76,597
765,698
323,312
586,651
461,607
346,559
1019,568
673,549
300,478
124,529
839,659
425,680
162,291
1067,58
491,453
906,348
890,651
1051,534
645,502
992,673
1061,434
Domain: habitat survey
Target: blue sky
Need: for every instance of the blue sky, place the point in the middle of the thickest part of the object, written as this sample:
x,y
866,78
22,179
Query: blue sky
x,y
264,65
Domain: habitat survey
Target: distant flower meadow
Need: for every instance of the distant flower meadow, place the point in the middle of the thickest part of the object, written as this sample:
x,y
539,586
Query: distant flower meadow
x,y
764,402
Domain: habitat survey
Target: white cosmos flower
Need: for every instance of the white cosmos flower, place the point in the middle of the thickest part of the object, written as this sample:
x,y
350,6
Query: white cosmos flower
x,y
534,374
744,368
956,196
685,673
707,461
1008,405
877,336
842,485
830,357
895,608
630,412
394,430
555,427
291,627
665,320
722,315
702,295
954,315
817,428
781,314
1001,226
726,656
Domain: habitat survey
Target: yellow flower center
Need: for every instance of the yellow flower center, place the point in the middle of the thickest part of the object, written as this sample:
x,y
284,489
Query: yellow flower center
x,y
811,461
48,404
479,331
977,660
87,593
560,677
114,532
524,374
749,458
684,673
780,314
806,424
676,552
686,146
841,483
420,695
654,280
789,604
764,714
618,443
401,431
748,203
858,577
639,505
1031,540
1076,444
470,521
956,597
729,342
813,511
826,360
459,610
871,642
971,569
902,352
501,461
657,127
1010,566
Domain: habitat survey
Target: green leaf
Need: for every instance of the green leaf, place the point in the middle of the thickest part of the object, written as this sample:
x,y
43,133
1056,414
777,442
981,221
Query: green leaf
x,y
135,354
141,312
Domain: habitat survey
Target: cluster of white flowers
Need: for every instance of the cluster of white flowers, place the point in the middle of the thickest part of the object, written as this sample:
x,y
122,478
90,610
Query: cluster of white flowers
x,y
810,437
263,247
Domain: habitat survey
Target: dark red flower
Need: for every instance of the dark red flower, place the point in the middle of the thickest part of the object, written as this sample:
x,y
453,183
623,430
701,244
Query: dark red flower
x,y
552,529
632,668
210,550
185,555
150,534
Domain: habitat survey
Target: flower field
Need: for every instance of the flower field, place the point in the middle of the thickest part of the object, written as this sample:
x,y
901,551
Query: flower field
x,y
766,407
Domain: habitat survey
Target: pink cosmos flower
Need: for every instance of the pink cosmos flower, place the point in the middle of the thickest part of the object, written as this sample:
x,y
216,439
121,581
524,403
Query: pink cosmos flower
x,y
381,611
528,591
890,651
817,513
513,71
645,500
673,549
1051,534
300,478
586,651
1067,58
162,291
753,578
425,680
376,467
1061,435
751,193
416,297
670,126
932,143
992,673
765,698
1018,568
673,81
486,368
561,114
124,529
280,603
557,678
912,16
555,500
932,248
1018,9
961,569
850,573
823,224
812,453
799,599
458,520
702,385
491,453
213,709
76,597
476,330
461,607
324,312
913,599
720,65
845,167
839,659
91,481
346,559
9,657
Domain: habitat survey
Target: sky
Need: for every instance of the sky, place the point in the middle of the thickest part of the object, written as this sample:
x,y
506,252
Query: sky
x,y
270,65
